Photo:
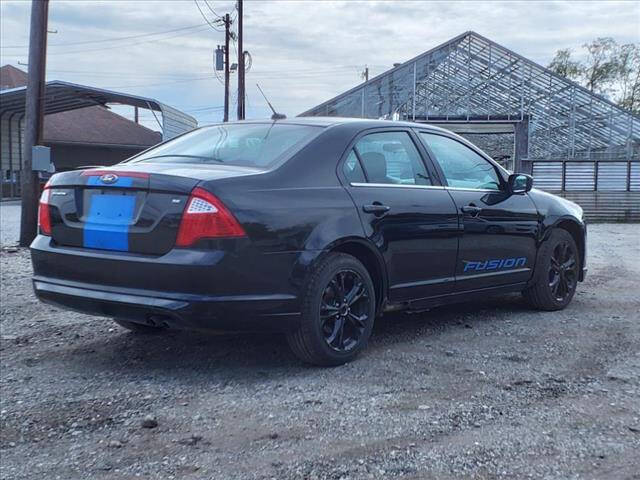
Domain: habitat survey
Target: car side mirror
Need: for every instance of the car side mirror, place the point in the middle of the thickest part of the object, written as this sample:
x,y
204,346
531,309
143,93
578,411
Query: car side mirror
x,y
520,183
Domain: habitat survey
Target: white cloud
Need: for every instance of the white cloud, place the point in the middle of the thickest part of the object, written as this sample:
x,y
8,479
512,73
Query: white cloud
x,y
303,52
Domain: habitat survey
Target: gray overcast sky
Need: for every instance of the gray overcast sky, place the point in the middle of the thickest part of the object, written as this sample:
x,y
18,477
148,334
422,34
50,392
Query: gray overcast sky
x,y
304,52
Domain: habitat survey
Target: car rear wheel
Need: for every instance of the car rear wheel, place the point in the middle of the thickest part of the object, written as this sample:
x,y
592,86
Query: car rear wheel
x,y
556,275
337,313
137,327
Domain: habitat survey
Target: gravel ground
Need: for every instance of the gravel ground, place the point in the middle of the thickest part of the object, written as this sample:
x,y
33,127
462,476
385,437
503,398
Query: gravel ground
x,y
9,222
485,390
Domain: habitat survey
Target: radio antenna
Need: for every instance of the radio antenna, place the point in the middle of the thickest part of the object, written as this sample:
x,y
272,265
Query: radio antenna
x,y
276,115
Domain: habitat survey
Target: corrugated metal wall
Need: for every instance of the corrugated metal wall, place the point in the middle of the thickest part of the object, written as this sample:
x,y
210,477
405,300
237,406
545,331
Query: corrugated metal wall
x,y
607,207
175,122
612,176
579,176
635,177
11,134
608,191
547,176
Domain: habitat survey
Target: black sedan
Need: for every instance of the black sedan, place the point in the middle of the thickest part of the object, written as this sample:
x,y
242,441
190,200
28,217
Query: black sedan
x,y
309,226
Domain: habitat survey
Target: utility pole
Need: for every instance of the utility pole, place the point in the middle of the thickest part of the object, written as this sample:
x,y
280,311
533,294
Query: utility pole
x,y
227,34
241,94
365,74
34,119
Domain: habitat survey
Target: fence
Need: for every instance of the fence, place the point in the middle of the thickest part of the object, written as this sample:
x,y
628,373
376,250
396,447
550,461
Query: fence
x,y
584,175
607,190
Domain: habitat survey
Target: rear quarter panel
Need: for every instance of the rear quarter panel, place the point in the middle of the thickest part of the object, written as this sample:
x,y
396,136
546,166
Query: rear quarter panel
x,y
300,207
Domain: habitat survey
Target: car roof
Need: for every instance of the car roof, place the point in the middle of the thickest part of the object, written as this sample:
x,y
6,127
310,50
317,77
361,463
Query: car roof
x,y
358,122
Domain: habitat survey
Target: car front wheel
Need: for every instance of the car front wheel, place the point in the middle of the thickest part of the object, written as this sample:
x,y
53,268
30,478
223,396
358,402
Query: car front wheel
x,y
556,275
337,313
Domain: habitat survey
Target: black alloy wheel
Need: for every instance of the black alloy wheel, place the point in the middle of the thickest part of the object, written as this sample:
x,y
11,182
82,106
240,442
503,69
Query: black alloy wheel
x,y
555,274
344,310
563,271
338,311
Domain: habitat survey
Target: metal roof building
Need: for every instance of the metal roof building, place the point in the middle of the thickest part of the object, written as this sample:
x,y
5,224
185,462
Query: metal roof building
x,y
571,139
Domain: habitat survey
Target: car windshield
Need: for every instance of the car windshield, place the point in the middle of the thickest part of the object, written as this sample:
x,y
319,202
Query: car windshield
x,y
258,145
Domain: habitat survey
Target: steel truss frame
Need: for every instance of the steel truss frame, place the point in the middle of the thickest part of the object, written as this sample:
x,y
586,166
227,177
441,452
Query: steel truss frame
x,y
473,79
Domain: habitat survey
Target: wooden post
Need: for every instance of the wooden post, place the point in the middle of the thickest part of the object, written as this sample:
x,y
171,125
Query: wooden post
x,y
35,118
241,85
227,34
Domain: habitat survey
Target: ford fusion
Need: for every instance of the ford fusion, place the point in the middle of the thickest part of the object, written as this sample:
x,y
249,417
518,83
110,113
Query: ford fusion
x,y
312,227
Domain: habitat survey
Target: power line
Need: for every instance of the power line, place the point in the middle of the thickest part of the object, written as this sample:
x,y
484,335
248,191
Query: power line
x,y
218,77
128,74
273,76
160,84
124,74
212,10
205,17
113,39
205,109
153,40
265,74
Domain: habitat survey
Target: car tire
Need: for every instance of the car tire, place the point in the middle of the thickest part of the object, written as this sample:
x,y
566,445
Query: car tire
x,y
137,327
556,273
338,311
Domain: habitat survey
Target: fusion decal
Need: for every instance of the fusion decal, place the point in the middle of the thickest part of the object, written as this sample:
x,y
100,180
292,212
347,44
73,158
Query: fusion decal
x,y
496,264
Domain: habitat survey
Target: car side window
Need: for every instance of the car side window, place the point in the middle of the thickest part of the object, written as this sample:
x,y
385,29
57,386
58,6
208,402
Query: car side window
x,y
391,157
462,167
352,169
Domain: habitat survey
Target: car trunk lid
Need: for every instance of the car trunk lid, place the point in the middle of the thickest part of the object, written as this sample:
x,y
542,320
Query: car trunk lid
x,y
135,208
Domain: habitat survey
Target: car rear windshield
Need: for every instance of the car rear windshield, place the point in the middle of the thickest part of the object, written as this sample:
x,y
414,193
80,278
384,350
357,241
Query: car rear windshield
x,y
258,145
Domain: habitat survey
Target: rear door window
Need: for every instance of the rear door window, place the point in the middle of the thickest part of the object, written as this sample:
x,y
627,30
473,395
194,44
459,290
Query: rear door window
x,y
352,169
391,157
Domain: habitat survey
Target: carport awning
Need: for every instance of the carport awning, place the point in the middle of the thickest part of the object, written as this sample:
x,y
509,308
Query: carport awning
x,y
62,96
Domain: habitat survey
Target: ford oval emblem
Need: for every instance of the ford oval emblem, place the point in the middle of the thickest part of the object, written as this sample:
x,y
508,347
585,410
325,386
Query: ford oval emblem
x,y
109,178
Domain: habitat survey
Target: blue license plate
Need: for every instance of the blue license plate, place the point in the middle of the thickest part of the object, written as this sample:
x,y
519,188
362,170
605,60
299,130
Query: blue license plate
x,y
108,220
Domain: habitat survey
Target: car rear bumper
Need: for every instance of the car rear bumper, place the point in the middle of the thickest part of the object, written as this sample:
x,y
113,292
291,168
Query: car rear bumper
x,y
166,291
264,312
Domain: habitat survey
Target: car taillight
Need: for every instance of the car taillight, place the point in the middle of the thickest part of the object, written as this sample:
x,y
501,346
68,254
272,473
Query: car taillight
x,y
44,216
206,217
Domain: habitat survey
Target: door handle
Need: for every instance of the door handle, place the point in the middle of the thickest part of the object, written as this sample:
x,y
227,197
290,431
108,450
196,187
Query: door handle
x,y
472,210
376,208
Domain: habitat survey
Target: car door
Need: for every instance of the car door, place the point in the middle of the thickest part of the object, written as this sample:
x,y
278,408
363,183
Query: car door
x,y
498,242
409,217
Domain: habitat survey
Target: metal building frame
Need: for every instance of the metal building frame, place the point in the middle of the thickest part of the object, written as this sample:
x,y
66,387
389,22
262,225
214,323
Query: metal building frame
x,y
63,96
471,79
